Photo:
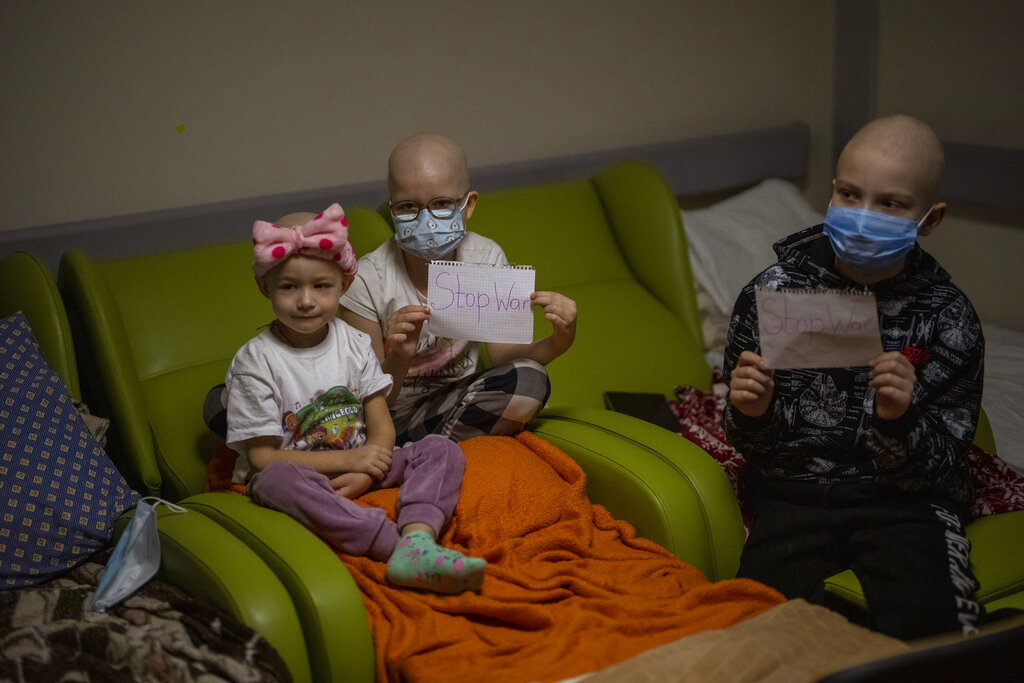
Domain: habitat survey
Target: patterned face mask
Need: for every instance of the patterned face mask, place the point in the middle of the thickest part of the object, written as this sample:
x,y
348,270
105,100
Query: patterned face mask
x,y
429,237
869,240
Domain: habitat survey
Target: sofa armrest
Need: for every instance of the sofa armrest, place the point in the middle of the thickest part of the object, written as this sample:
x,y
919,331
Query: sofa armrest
x,y
997,556
88,303
645,218
668,488
26,284
329,604
212,566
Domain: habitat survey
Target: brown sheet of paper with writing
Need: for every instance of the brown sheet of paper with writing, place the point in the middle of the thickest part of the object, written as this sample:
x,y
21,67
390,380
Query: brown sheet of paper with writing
x,y
817,328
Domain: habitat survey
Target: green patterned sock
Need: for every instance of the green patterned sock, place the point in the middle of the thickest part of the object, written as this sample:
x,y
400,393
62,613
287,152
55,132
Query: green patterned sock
x,y
419,562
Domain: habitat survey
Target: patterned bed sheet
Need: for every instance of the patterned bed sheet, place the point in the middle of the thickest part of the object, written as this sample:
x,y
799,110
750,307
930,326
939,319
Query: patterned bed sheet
x,y
158,634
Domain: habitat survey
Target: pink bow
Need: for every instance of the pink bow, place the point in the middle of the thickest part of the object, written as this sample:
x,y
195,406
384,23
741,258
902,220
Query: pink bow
x,y
326,237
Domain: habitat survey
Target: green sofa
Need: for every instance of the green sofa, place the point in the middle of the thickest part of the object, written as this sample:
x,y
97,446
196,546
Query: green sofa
x,y
160,330
197,554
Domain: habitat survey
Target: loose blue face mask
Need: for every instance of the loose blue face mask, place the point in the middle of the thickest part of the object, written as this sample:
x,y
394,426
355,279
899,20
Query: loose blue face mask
x,y
869,240
429,237
136,557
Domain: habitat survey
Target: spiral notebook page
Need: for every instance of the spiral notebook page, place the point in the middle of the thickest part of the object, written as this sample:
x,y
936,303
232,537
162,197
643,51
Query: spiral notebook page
x,y
817,328
480,302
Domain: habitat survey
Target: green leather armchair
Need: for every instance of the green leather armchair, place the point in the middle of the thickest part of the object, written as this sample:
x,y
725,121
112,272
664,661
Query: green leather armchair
x,y
197,555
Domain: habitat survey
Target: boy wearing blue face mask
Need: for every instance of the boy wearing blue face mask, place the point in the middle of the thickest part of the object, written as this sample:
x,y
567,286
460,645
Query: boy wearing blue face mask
x,y
866,467
440,391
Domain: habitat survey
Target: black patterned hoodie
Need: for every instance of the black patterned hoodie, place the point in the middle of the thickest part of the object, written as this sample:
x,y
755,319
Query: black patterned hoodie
x,y
821,426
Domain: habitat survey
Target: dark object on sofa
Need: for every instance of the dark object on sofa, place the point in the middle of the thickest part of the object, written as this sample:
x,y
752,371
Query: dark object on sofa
x,y
649,406
992,658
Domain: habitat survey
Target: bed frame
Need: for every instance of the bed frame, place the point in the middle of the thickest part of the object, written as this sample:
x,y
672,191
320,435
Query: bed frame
x,y
696,166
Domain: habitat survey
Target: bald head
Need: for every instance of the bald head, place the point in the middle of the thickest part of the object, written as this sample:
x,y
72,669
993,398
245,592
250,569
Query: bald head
x,y
294,219
907,140
428,155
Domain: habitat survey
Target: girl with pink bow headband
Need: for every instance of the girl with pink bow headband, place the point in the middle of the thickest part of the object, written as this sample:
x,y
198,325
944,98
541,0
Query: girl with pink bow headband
x,y
325,236
307,414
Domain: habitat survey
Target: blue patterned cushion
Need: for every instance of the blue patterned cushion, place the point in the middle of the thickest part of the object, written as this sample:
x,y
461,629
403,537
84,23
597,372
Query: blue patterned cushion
x,y
59,492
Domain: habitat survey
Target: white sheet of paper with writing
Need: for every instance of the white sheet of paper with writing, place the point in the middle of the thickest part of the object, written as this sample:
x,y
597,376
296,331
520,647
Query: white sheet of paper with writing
x,y
480,302
818,328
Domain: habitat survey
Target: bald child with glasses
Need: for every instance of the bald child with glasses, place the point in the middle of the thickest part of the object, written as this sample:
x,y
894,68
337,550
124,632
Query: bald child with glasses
x,y
441,391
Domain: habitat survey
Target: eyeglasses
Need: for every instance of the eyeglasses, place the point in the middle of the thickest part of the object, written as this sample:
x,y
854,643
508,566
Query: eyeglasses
x,y
439,207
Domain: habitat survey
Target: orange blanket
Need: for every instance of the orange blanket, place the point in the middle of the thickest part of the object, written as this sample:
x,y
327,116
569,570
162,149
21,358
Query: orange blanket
x,y
569,589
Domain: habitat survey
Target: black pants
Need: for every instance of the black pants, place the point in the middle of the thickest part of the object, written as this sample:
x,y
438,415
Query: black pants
x,y
909,553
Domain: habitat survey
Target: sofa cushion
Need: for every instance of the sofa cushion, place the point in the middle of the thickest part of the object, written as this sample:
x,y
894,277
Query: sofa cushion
x,y
627,341
561,230
59,491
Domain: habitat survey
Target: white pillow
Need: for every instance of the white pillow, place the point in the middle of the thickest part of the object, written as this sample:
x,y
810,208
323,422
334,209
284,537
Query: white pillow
x,y
730,242
1003,397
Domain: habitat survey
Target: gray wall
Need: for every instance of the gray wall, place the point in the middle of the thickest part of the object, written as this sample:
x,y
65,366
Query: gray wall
x,y
959,66
283,96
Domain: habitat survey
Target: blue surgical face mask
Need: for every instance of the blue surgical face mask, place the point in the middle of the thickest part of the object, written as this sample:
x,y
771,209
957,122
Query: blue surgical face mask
x,y
869,240
136,557
429,237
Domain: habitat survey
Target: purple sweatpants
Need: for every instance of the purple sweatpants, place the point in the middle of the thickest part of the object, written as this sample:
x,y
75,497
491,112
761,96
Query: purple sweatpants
x,y
428,474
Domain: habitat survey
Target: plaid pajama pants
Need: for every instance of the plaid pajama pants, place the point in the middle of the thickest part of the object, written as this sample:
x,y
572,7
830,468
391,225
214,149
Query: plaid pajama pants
x,y
495,401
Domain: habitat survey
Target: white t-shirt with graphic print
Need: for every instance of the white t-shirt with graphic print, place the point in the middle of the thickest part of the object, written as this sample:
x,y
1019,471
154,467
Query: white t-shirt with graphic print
x,y
312,398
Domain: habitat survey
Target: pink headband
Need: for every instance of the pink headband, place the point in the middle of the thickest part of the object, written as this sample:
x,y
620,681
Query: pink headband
x,y
326,237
